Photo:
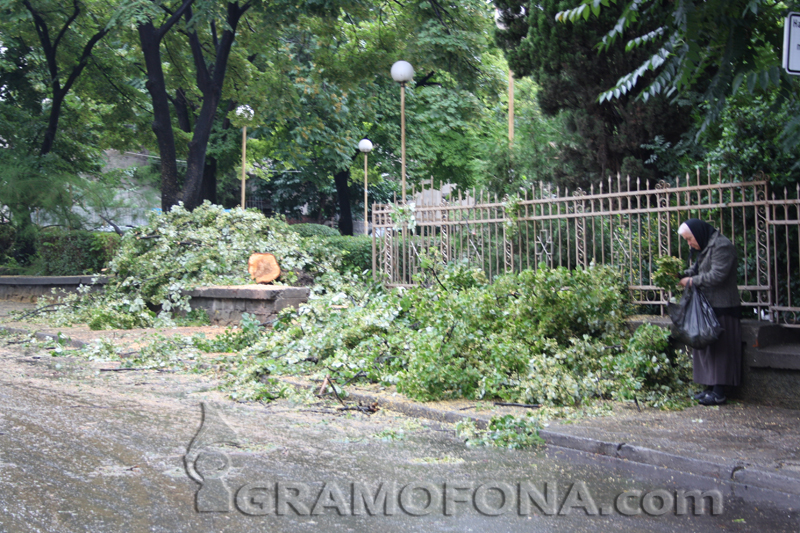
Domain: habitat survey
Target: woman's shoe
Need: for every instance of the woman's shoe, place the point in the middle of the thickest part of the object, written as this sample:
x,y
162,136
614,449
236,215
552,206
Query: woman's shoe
x,y
713,398
700,395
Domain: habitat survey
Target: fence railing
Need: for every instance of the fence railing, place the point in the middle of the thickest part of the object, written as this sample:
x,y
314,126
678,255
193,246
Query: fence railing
x,y
622,222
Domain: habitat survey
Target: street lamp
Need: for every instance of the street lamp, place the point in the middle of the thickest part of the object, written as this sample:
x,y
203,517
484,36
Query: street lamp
x,y
244,112
403,72
365,145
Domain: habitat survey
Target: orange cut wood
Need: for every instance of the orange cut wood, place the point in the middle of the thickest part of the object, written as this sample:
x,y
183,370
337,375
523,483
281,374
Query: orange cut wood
x,y
263,268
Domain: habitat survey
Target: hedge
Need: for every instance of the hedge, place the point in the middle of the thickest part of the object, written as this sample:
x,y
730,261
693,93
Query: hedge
x,y
70,253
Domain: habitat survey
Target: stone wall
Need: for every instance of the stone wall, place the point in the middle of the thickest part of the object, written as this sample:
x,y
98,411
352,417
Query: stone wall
x,y
225,304
30,288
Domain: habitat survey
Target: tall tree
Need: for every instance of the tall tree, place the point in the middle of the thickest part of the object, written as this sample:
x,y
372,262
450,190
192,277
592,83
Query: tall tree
x,y
67,34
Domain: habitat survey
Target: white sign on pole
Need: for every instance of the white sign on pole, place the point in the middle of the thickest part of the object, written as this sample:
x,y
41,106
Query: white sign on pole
x,y
791,44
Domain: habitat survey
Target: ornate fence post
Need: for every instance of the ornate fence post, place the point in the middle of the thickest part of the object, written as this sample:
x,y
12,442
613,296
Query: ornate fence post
x,y
509,227
444,231
763,269
580,228
388,249
662,199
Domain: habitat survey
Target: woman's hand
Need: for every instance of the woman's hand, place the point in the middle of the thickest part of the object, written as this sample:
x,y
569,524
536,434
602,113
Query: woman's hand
x,y
686,281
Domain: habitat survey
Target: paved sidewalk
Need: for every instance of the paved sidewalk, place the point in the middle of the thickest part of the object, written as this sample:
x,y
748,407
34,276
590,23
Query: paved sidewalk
x,y
752,445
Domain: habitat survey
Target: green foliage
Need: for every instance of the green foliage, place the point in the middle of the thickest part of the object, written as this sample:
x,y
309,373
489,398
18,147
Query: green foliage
x,y
603,138
315,230
68,253
356,251
125,316
7,238
157,264
668,273
551,336
508,431
711,47
646,371
233,340
746,142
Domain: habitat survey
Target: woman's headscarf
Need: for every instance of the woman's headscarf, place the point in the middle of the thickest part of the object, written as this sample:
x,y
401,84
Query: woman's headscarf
x,y
701,231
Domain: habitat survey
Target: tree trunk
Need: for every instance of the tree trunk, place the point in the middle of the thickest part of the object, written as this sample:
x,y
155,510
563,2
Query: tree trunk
x,y
343,194
52,123
162,124
210,84
208,190
182,110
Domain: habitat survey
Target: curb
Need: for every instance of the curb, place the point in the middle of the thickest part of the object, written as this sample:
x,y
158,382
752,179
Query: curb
x,y
737,472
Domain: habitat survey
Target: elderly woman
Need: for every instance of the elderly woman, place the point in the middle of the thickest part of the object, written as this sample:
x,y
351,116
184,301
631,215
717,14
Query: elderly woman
x,y
714,273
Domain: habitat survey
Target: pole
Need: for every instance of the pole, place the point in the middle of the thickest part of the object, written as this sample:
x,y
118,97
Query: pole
x,y
403,141
366,222
244,160
510,109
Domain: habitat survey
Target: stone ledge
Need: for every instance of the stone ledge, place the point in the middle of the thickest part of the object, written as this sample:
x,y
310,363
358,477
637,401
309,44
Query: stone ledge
x,y
52,280
30,288
249,292
225,304
786,356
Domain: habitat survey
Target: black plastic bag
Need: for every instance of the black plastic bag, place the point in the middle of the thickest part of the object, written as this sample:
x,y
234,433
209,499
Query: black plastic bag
x,y
694,321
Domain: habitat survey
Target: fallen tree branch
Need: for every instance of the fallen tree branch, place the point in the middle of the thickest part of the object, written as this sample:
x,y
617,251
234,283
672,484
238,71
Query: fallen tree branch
x,y
511,404
40,310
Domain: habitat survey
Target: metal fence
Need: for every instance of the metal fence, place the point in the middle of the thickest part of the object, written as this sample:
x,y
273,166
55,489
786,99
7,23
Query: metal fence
x,y
625,223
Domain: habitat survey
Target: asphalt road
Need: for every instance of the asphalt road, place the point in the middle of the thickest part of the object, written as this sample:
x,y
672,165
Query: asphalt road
x,y
88,450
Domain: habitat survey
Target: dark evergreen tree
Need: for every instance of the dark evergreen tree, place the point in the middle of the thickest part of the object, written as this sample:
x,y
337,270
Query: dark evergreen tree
x,y
563,59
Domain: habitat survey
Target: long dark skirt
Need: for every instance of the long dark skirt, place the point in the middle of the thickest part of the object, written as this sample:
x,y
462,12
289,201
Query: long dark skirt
x,y
720,363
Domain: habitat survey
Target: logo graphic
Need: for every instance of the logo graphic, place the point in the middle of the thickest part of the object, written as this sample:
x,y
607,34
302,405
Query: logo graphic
x,y
207,464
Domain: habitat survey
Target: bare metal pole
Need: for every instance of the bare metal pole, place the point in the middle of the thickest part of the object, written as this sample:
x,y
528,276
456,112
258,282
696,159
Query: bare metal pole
x,y
366,222
244,160
403,141
510,109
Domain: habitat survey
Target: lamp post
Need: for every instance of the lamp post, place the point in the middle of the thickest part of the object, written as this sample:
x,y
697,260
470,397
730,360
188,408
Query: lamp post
x,y
244,112
365,145
402,72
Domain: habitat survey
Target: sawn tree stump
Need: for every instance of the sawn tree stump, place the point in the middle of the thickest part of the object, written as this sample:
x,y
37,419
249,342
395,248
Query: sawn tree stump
x,y
263,268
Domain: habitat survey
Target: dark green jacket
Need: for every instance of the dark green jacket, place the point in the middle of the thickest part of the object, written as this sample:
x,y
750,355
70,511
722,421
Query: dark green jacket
x,y
714,273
